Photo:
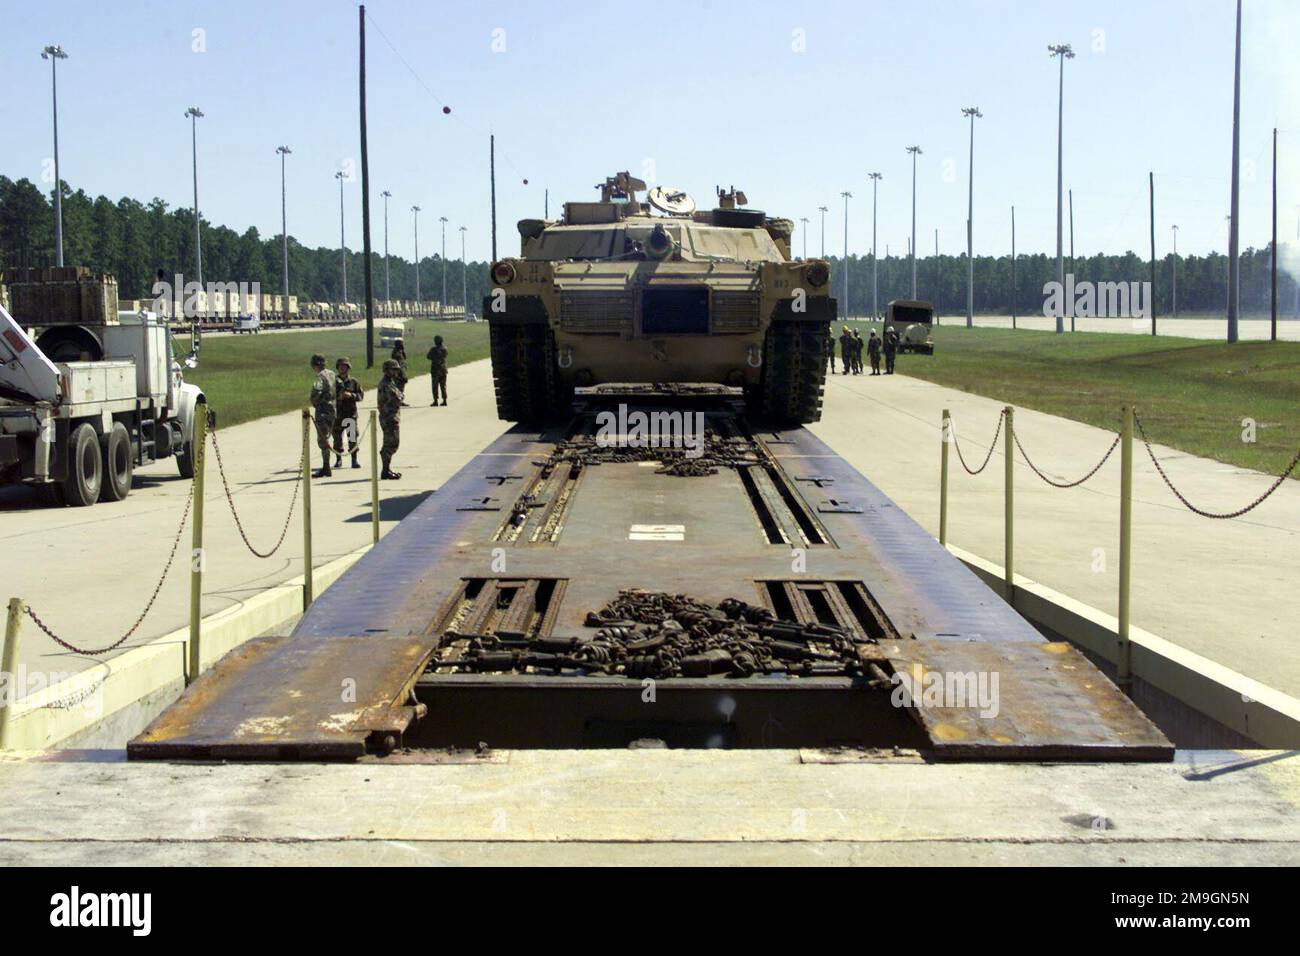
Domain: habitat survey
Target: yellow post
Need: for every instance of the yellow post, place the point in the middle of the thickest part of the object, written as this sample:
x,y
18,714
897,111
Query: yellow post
x,y
308,594
374,474
1008,508
9,667
198,560
1125,649
943,479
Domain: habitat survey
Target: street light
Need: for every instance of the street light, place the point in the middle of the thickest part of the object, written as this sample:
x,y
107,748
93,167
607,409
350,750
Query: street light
x,y
823,211
1064,52
875,308
974,113
284,237
195,114
915,151
464,297
54,54
442,305
416,211
1234,263
847,196
343,239
804,220
388,296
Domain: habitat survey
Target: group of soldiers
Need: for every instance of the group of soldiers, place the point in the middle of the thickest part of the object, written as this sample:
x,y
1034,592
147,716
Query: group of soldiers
x,y
852,345
334,398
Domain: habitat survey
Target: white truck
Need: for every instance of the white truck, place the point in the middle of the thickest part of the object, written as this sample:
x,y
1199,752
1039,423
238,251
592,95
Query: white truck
x,y
78,428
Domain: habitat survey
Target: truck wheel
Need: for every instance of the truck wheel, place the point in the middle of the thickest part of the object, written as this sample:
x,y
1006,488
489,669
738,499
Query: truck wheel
x,y
85,467
119,464
185,461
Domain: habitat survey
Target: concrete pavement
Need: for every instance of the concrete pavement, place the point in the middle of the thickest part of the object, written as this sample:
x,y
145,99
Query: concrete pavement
x,y
1224,589
88,572
1288,329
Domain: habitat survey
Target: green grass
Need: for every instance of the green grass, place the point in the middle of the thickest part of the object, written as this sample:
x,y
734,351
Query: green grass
x,y
1191,394
251,376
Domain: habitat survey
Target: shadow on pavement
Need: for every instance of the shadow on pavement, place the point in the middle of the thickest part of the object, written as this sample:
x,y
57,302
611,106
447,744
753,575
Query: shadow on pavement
x,y
393,509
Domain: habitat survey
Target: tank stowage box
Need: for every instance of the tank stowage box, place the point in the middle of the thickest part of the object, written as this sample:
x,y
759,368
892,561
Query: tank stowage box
x,y
620,291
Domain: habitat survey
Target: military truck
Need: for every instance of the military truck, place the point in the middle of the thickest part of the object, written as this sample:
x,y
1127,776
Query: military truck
x,y
630,292
913,320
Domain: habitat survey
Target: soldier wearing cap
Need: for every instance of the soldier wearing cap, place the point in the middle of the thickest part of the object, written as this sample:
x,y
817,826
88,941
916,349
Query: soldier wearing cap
x,y
390,416
437,357
348,393
323,392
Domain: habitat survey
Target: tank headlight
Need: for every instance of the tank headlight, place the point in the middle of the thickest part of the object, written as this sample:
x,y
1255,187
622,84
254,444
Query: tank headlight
x,y
503,273
817,274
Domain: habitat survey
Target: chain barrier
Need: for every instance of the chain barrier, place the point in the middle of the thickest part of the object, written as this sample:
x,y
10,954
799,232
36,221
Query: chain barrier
x,y
67,645
1201,511
1066,484
293,502
992,445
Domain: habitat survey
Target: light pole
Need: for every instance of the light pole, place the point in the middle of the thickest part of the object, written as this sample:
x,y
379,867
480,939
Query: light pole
x,y
823,210
915,151
388,296
1234,265
464,295
875,306
1064,52
416,211
54,54
195,114
284,237
974,113
343,238
847,196
1175,282
804,220
442,305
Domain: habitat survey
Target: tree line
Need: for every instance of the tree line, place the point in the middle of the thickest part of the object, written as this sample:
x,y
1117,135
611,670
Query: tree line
x,y
133,240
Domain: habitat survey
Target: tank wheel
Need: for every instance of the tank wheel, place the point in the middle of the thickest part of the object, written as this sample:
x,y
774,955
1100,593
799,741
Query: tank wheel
x,y
528,389
794,374
119,464
85,467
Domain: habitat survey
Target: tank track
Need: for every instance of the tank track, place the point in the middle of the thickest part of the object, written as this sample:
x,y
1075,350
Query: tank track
x,y
794,374
524,374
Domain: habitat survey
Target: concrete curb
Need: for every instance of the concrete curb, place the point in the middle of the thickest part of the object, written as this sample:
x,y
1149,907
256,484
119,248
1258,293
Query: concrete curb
x,y
77,703
1265,715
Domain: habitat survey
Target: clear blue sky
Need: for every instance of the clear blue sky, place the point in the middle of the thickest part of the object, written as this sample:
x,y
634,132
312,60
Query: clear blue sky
x,y
687,93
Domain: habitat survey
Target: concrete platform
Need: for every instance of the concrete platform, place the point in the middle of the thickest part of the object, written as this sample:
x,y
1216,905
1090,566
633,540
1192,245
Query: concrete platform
x,y
651,807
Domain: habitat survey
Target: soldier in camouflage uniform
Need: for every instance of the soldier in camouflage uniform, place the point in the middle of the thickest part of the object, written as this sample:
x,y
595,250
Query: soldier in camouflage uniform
x,y
390,416
437,357
399,356
323,392
346,423
846,350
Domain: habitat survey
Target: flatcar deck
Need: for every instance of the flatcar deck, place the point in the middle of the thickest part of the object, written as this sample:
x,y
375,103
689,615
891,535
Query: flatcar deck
x,y
522,544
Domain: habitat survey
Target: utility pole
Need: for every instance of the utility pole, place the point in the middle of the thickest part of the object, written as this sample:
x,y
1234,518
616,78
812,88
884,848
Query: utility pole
x,y
416,211
343,238
367,268
1175,275
1234,266
915,151
1064,52
464,298
1273,290
847,196
875,274
284,238
492,174
974,113
1151,181
195,114
546,204
938,276
1013,267
1072,250
804,220
442,305
822,210
388,294
54,54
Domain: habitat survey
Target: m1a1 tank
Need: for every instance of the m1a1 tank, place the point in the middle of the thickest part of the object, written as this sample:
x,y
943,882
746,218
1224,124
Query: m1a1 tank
x,y
630,292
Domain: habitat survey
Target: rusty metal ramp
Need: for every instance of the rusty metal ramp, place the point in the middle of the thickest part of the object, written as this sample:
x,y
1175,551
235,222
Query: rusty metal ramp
x,y
294,698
